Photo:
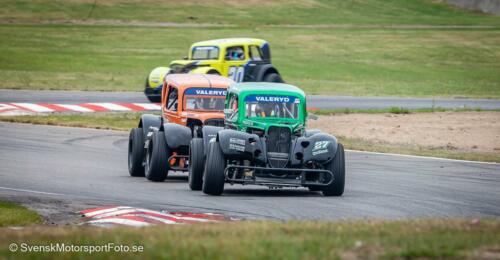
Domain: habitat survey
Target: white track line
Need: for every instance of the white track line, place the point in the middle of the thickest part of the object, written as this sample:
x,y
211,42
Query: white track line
x,y
162,220
76,108
7,107
122,221
423,157
33,107
32,191
112,106
106,211
148,106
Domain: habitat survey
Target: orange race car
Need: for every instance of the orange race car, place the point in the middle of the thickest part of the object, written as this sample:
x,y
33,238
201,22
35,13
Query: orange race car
x,y
161,143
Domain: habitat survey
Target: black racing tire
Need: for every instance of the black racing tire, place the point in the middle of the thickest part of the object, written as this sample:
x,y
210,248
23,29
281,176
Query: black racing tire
x,y
337,166
157,156
214,178
136,152
213,72
196,164
273,77
153,98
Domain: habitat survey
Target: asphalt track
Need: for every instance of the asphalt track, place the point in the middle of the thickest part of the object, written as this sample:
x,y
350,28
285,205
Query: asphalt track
x,y
320,102
86,165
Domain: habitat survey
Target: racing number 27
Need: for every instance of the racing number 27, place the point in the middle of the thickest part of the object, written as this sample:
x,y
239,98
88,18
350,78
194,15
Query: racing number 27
x,y
236,73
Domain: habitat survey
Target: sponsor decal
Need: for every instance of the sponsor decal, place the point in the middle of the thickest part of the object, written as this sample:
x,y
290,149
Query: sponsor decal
x,y
272,98
237,141
237,144
237,147
205,92
320,147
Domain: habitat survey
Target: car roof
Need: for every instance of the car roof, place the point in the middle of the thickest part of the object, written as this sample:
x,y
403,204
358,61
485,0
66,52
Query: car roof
x,y
230,41
183,81
271,88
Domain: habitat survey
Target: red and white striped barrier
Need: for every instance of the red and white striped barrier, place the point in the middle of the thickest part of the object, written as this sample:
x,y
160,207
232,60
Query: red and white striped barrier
x,y
11,108
138,217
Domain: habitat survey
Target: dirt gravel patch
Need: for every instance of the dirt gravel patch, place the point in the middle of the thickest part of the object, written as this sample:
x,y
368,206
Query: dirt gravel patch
x,y
460,131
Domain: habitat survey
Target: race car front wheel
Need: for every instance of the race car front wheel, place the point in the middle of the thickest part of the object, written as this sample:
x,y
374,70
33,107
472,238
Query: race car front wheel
x,y
136,152
213,179
337,166
196,164
157,156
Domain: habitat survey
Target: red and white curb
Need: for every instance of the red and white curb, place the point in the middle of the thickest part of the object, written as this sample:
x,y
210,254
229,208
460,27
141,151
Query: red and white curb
x,y
13,108
139,217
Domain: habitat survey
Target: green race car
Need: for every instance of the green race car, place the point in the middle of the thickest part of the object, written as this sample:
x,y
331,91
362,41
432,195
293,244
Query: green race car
x,y
265,142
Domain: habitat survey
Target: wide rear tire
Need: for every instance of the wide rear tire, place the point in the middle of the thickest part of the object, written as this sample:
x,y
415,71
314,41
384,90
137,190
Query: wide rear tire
x,y
196,164
337,166
136,152
273,77
214,178
157,158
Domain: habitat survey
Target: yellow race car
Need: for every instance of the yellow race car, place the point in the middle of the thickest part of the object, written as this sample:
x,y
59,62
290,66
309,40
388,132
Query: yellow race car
x,y
241,59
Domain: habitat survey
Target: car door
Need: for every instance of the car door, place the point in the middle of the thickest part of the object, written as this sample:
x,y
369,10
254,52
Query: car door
x,y
235,58
171,106
255,61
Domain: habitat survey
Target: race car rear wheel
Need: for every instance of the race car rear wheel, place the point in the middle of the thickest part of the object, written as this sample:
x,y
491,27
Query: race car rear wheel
x,y
213,72
273,77
196,164
136,152
157,158
213,179
337,166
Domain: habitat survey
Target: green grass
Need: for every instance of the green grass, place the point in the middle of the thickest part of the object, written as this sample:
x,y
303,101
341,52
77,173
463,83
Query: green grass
x,y
244,13
425,63
343,61
415,239
16,215
126,121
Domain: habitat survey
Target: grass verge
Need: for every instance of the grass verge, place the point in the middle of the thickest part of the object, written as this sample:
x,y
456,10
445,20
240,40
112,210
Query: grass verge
x,y
423,239
243,13
126,121
358,62
15,215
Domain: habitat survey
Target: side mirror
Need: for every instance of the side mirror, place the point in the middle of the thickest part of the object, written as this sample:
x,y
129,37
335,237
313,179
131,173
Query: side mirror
x,y
312,117
228,111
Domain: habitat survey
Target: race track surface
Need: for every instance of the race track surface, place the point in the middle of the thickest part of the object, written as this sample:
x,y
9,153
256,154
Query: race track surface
x,y
86,165
320,102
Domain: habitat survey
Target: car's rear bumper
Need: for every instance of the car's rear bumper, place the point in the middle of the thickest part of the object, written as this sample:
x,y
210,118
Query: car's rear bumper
x,y
303,177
